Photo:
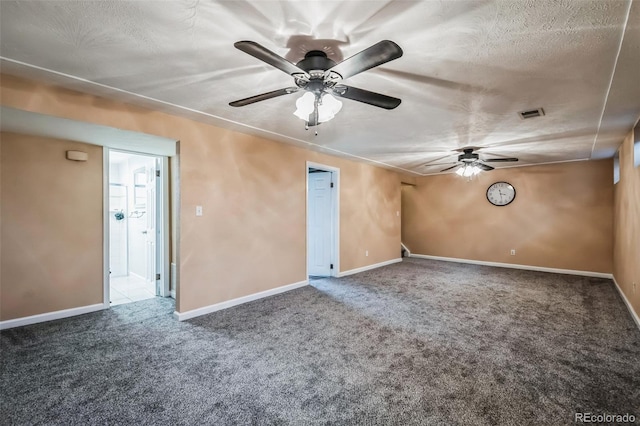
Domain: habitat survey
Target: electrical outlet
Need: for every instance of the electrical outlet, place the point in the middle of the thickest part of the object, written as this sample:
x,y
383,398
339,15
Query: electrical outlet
x,y
198,210
513,252
398,213
366,252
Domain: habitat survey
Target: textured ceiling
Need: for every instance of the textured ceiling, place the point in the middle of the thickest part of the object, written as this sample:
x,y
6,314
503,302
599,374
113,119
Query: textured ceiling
x,y
468,68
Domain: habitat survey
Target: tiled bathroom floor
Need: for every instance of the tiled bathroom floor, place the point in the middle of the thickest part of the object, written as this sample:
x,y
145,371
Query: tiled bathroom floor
x,y
130,289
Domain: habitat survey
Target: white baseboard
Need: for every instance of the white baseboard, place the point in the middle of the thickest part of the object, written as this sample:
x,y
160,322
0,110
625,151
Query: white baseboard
x,y
181,316
50,316
138,276
406,249
633,313
172,294
516,266
366,268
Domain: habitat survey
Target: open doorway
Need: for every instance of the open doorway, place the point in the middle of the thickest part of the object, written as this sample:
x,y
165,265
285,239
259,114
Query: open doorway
x,y
322,220
136,227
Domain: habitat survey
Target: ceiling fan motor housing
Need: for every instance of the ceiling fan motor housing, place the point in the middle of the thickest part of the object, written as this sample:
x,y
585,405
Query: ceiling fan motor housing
x,y
315,60
315,63
468,156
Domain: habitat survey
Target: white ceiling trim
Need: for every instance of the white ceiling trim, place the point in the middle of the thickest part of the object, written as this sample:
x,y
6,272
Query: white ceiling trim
x,y
613,73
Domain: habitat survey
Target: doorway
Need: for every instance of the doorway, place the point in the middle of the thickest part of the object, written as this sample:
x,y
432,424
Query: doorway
x,y
136,223
322,220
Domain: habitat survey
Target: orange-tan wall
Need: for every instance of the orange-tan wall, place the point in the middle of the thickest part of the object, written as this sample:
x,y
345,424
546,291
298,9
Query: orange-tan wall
x,y
251,237
562,217
626,249
51,226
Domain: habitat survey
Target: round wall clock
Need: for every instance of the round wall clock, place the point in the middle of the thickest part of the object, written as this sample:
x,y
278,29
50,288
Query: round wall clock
x,y
501,193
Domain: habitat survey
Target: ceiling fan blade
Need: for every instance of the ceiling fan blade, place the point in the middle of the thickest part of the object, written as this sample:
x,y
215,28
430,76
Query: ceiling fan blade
x,y
449,168
500,160
484,167
370,57
260,52
367,97
263,97
436,164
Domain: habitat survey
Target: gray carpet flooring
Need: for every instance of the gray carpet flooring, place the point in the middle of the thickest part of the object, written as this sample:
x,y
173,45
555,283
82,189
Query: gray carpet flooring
x,y
418,342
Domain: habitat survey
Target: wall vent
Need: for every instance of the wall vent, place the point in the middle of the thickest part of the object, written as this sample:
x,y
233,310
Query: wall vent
x,y
531,113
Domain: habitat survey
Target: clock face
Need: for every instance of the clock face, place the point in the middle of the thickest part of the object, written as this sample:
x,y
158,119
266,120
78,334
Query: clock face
x,y
501,193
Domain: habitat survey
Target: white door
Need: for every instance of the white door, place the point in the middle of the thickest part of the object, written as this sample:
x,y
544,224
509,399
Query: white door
x,y
151,231
320,227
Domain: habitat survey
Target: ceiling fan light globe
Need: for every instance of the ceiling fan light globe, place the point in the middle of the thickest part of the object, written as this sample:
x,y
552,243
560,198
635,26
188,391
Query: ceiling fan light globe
x,y
468,170
304,106
328,108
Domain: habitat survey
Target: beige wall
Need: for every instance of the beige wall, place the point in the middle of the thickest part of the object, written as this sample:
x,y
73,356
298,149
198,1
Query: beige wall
x,y
562,217
370,207
251,237
626,249
51,233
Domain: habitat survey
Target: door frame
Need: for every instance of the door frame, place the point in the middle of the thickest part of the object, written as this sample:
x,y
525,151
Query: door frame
x,y
162,222
335,216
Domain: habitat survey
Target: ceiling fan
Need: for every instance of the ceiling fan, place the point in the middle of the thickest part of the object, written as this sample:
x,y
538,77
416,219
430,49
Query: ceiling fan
x,y
471,164
320,78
